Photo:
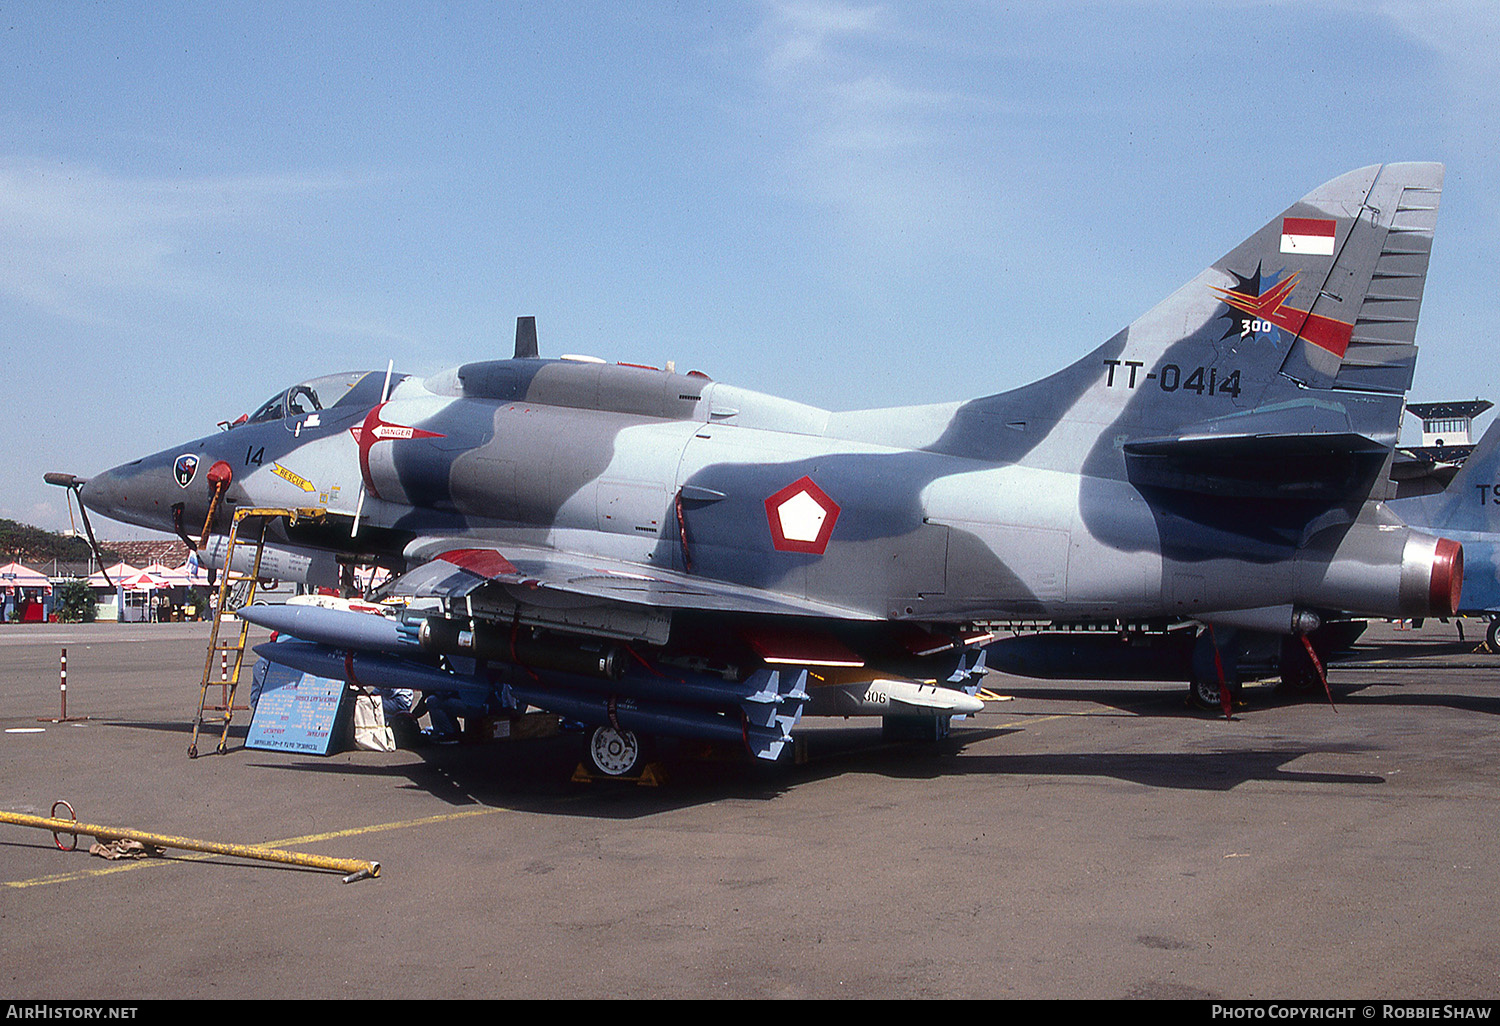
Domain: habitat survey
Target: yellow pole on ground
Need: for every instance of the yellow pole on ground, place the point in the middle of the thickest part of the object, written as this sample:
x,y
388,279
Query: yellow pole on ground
x,y
356,869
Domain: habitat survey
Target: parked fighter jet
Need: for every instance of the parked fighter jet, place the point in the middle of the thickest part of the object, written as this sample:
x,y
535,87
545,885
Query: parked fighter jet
x,y
1468,511
656,553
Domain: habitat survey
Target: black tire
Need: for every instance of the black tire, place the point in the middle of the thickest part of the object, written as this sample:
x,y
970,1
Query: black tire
x,y
1299,677
1203,692
1492,635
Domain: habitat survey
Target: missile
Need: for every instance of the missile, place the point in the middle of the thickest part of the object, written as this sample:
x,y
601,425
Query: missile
x,y
764,696
659,719
889,697
597,708
341,628
371,669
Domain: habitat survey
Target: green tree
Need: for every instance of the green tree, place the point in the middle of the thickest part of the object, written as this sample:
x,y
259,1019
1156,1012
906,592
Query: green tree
x,y
24,543
73,602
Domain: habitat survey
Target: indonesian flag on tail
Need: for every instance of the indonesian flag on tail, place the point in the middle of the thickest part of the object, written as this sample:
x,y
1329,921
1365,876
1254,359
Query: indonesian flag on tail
x,y
1307,236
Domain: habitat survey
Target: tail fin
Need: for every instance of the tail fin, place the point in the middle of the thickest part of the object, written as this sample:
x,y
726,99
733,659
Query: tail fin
x,y
1306,328
1471,502
1324,297
1360,329
1297,347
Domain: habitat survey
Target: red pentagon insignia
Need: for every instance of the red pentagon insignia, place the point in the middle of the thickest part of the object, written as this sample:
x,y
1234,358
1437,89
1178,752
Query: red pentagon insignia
x,y
801,517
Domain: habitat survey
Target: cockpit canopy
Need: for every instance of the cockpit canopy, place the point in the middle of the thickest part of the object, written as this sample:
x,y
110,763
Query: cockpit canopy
x,y
347,389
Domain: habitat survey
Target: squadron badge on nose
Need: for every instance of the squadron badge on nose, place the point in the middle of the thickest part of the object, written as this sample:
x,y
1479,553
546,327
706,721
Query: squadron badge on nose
x,y
185,469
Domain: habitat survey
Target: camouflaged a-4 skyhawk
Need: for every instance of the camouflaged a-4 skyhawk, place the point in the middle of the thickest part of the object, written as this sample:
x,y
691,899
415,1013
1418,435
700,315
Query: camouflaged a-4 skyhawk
x,y
655,553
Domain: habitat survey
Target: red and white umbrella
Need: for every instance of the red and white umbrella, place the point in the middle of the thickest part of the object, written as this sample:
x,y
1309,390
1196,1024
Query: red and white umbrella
x,y
169,576
143,580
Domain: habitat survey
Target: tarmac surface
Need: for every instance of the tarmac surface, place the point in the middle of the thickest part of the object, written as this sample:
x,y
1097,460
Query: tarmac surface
x,y
1081,840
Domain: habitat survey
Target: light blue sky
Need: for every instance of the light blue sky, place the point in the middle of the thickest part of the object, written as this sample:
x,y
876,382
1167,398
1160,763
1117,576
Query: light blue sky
x,y
851,204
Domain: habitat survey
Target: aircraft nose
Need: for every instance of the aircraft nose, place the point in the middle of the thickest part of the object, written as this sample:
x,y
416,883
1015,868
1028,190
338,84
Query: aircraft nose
x,y
131,493
101,493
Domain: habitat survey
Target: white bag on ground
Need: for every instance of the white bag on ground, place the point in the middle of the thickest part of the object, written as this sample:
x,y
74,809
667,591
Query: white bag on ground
x,y
370,730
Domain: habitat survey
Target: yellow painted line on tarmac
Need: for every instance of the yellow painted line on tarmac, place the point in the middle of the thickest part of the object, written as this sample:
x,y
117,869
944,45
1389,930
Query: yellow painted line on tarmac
x,y
120,867
39,881
1033,720
382,827
125,866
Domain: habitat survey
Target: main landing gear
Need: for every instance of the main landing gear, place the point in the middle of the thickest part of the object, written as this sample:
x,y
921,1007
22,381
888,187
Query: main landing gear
x,y
1204,693
615,752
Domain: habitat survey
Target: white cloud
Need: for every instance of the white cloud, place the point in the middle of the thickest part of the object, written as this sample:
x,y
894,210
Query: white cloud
x,y
1463,37
74,238
801,36
864,135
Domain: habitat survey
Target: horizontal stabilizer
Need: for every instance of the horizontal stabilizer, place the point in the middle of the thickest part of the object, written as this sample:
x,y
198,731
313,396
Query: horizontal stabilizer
x,y
1313,467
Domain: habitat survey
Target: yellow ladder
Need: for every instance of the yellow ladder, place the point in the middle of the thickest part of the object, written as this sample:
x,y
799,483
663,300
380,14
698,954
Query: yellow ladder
x,y
228,578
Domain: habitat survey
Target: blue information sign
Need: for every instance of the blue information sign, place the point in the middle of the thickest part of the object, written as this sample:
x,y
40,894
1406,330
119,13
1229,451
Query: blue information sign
x,y
296,712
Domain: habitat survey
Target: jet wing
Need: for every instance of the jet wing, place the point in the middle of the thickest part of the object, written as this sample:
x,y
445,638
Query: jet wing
x,y
458,569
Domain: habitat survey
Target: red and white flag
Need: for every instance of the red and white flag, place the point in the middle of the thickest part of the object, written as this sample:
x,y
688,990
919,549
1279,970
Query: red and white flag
x,y
1307,236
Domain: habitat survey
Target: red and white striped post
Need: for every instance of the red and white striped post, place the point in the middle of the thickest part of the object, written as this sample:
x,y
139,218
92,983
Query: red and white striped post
x,y
62,685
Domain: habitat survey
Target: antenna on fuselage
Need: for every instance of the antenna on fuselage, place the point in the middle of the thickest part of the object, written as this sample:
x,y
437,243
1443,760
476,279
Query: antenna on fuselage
x,y
385,391
526,338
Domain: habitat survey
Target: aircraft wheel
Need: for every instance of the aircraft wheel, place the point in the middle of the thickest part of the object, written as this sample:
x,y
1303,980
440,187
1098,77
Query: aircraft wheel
x,y
1204,693
1298,674
615,753
1492,636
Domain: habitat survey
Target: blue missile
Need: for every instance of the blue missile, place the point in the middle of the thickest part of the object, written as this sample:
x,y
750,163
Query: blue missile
x,y
768,712
372,670
764,695
341,628
657,718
